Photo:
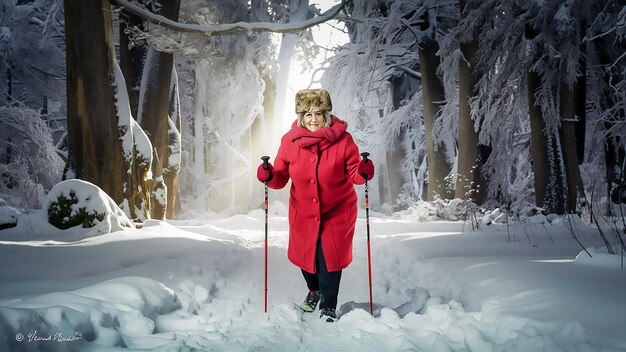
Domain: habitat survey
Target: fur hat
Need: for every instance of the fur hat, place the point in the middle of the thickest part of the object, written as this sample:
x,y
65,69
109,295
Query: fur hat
x,y
313,99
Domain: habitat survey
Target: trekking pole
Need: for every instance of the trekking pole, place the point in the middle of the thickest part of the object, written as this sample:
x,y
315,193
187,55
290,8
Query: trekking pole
x,y
367,223
265,159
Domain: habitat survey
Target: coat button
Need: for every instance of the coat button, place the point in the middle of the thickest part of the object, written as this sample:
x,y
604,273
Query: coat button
x,y
314,200
312,159
312,180
317,219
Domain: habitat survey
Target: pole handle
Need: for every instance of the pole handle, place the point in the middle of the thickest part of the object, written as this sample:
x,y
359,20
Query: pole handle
x,y
365,156
265,159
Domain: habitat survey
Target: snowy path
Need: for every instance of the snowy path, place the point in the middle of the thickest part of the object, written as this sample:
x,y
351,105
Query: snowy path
x,y
197,285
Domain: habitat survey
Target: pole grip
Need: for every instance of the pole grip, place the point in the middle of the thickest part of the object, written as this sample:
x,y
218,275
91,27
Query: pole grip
x,y
265,159
365,156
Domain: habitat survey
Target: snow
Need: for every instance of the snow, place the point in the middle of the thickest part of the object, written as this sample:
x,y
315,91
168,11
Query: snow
x,y
8,215
599,257
34,225
124,115
198,285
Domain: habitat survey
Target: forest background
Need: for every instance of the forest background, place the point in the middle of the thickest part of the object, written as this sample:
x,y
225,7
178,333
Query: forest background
x,y
168,106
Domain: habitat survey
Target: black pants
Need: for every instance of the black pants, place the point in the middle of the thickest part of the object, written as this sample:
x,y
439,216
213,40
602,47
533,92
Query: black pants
x,y
325,282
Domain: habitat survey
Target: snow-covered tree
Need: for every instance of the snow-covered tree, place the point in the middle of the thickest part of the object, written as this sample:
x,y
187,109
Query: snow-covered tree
x,y
521,67
536,67
227,84
606,45
393,54
32,60
29,161
32,68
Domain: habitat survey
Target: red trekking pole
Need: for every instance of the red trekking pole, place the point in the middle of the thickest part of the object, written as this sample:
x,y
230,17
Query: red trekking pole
x,y
367,223
265,159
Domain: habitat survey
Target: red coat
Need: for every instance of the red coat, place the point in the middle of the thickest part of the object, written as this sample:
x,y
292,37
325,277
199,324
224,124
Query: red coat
x,y
323,167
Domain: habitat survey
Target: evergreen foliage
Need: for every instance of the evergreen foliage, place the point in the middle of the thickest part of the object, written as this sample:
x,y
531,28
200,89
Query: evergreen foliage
x,y
63,213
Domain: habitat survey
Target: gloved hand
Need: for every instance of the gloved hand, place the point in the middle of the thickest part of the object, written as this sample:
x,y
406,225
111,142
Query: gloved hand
x,y
265,175
366,169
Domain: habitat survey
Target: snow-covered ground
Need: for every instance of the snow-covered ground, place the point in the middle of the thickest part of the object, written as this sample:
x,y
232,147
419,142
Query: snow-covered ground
x,y
198,285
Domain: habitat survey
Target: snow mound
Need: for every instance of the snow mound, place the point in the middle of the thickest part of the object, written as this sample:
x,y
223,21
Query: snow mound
x,y
114,313
77,203
8,216
599,258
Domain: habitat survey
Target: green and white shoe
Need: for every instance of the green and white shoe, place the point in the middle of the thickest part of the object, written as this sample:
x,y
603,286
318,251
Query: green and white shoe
x,y
310,302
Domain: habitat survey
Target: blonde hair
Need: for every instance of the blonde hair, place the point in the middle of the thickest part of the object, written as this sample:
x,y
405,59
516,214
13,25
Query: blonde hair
x,y
327,119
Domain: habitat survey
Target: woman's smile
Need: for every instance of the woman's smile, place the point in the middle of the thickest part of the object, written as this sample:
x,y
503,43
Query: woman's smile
x,y
314,120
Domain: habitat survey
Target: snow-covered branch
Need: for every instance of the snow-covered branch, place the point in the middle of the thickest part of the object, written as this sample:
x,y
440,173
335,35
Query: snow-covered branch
x,y
410,72
229,28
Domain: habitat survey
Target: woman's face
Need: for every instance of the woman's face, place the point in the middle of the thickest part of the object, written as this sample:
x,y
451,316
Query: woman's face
x,y
314,120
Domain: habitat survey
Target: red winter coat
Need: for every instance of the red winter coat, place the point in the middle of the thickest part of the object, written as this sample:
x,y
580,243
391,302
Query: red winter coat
x,y
322,166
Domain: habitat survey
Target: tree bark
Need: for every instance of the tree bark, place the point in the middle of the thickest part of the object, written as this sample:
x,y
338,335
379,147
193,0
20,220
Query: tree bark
x,y
131,59
538,145
438,166
170,172
131,64
580,104
614,146
569,144
402,87
469,183
93,136
154,107
548,164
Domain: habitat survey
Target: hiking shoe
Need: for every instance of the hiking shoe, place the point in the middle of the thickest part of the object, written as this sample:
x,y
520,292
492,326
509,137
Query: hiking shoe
x,y
328,314
310,302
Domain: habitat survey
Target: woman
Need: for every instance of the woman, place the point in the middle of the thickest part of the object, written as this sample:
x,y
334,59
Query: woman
x,y
323,162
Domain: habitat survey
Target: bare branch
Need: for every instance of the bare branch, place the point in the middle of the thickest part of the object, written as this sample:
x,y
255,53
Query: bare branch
x,y
239,27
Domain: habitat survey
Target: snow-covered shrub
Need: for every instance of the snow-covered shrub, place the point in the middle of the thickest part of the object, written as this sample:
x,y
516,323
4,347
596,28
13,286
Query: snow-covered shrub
x,y
8,217
79,203
63,214
29,162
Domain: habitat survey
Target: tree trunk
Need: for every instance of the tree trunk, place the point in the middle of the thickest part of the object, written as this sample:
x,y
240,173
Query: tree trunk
x,y
548,164
580,104
401,89
538,145
131,60
438,166
154,107
170,172
614,145
131,64
469,183
298,10
614,160
93,136
569,145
